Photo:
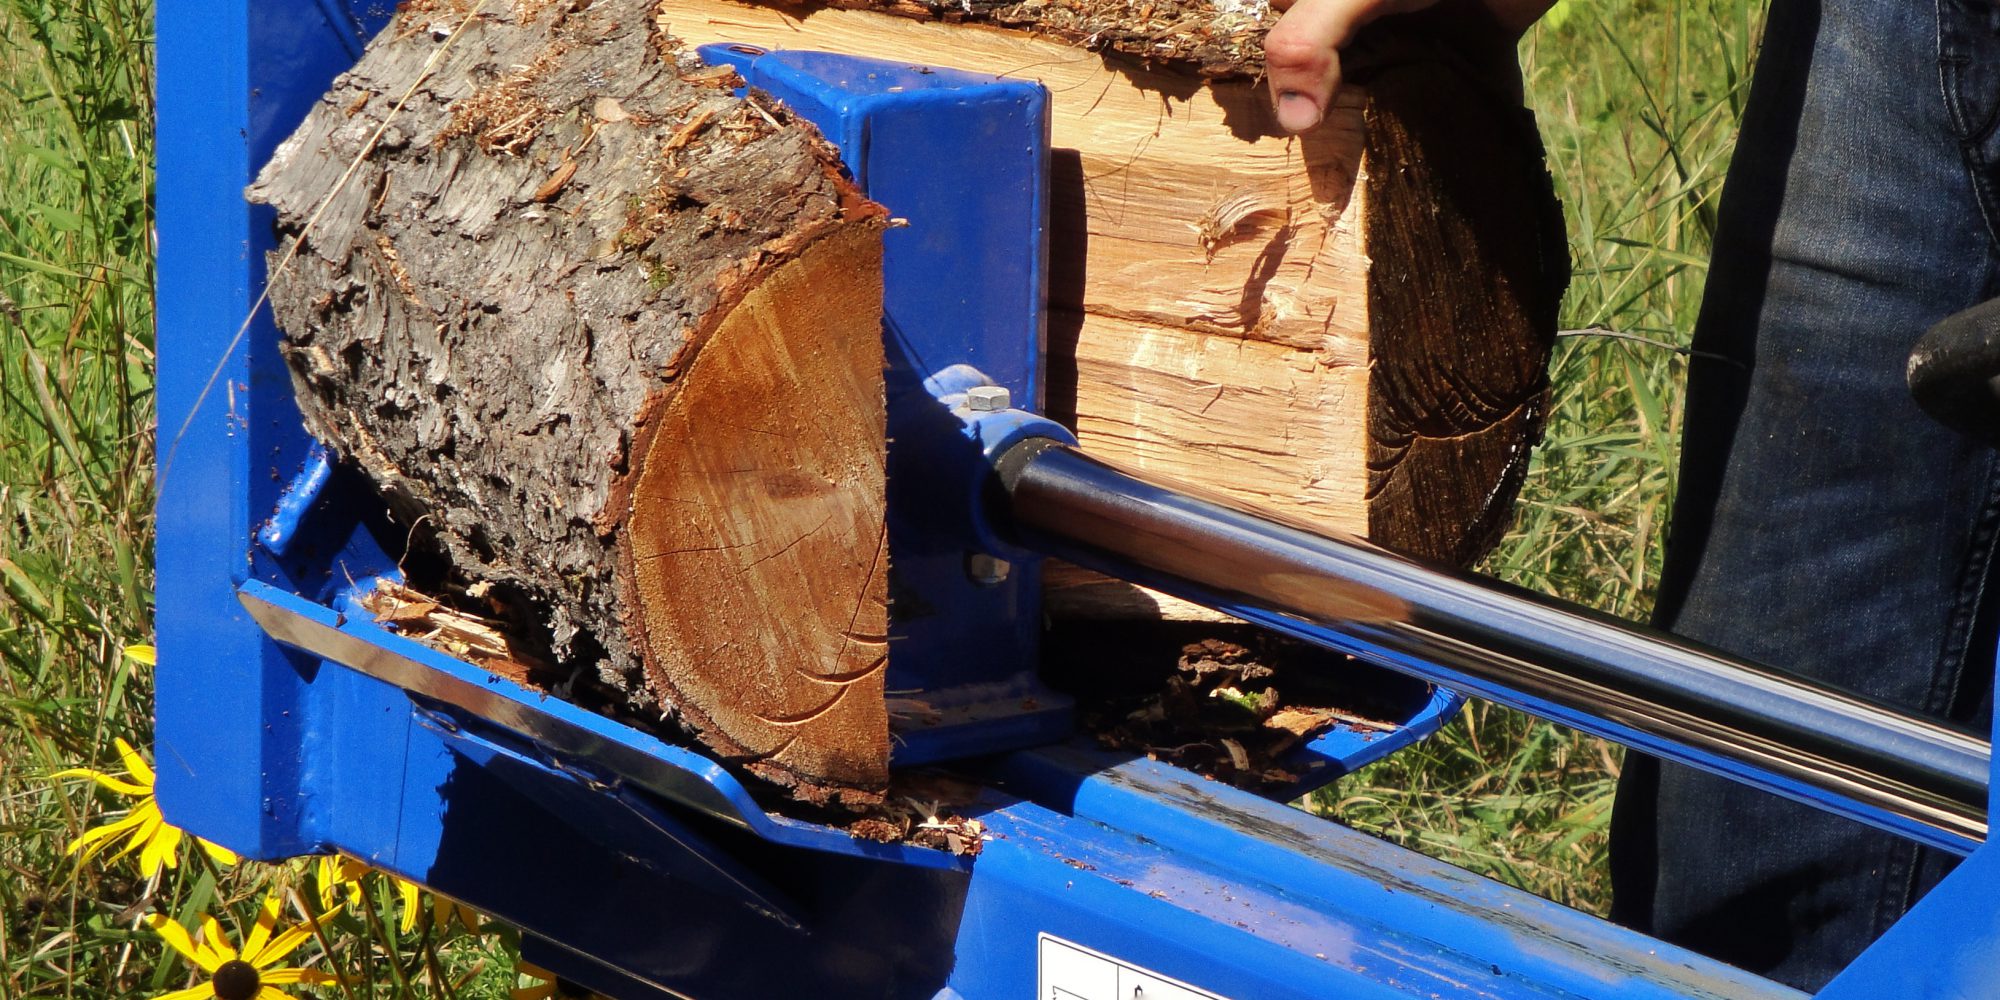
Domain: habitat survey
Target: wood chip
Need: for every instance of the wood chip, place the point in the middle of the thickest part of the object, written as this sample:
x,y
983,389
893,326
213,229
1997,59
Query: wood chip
x,y
556,182
694,127
1237,755
720,77
607,109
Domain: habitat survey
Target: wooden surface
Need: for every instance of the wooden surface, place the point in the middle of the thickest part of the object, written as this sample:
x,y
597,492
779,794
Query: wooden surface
x,y
1208,290
1469,261
755,545
1349,327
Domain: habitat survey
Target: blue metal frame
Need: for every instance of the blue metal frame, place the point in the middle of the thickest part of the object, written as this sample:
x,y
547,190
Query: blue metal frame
x,y
276,752
961,160
233,78
1215,888
1948,946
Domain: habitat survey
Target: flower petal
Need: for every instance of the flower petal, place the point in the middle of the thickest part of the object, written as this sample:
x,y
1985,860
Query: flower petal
x,y
260,932
177,938
94,840
118,785
445,910
273,993
410,896
282,977
285,943
215,940
147,814
144,654
135,765
191,993
162,851
339,876
219,854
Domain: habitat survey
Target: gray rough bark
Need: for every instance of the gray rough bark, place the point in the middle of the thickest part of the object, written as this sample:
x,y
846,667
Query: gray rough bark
x,y
518,277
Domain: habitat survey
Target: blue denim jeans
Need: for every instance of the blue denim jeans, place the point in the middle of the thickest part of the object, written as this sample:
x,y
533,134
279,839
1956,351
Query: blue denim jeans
x,y
1823,524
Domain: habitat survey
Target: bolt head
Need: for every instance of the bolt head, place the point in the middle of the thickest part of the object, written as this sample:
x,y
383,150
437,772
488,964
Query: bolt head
x,y
988,398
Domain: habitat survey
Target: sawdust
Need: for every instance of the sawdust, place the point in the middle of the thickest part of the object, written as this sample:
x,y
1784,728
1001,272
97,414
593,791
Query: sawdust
x,y
923,808
476,639
1220,712
505,116
952,834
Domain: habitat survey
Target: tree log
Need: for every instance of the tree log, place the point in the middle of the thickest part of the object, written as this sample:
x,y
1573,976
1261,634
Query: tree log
x,y
585,319
583,315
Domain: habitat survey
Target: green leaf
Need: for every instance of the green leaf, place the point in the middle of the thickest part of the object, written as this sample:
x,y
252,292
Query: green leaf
x,y
60,219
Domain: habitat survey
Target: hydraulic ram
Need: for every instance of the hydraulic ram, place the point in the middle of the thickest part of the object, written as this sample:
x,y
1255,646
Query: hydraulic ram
x,y
1555,660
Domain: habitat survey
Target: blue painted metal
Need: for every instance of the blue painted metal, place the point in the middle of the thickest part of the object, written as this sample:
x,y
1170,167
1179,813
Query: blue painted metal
x,y
1345,749
962,158
233,78
297,502
1948,946
1251,899
573,743
1216,888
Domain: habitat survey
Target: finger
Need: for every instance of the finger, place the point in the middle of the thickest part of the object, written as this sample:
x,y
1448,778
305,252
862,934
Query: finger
x,y
1302,60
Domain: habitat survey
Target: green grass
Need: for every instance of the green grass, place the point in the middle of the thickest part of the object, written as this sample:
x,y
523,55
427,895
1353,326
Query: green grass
x,y
76,533
76,357
1638,103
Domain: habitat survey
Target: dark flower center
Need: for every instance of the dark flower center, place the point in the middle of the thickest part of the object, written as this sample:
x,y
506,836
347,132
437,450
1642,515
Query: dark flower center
x,y
236,980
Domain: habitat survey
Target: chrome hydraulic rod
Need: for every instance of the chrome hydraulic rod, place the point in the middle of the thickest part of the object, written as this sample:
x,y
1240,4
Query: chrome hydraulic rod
x,y
1561,662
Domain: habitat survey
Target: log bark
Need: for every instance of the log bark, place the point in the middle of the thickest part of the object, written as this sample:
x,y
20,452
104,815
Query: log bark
x,y
611,337
607,335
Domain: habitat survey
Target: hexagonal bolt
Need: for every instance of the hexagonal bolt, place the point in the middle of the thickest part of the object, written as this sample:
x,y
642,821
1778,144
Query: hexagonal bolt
x,y
988,398
986,569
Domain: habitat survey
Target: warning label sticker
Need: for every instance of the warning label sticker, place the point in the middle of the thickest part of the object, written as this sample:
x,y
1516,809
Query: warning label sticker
x,y
1069,971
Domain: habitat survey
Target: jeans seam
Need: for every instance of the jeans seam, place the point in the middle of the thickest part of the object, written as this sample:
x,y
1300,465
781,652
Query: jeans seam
x,y
1951,90
1948,671
1899,866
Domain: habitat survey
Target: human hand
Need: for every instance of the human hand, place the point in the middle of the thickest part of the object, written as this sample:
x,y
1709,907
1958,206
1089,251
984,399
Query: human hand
x,y
1302,51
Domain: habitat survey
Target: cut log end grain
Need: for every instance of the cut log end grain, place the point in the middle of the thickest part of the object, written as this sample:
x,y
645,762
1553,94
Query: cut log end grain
x,y
1470,263
755,545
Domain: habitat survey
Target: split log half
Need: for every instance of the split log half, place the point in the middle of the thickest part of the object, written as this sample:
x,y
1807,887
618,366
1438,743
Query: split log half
x,y
1351,328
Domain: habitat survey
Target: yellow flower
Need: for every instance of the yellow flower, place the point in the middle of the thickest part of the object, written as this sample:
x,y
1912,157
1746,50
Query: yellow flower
x,y
550,988
342,881
143,654
445,910
240,975
143,829
339,881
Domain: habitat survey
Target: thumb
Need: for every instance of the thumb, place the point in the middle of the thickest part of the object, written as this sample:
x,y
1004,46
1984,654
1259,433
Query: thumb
x,y
1302,58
